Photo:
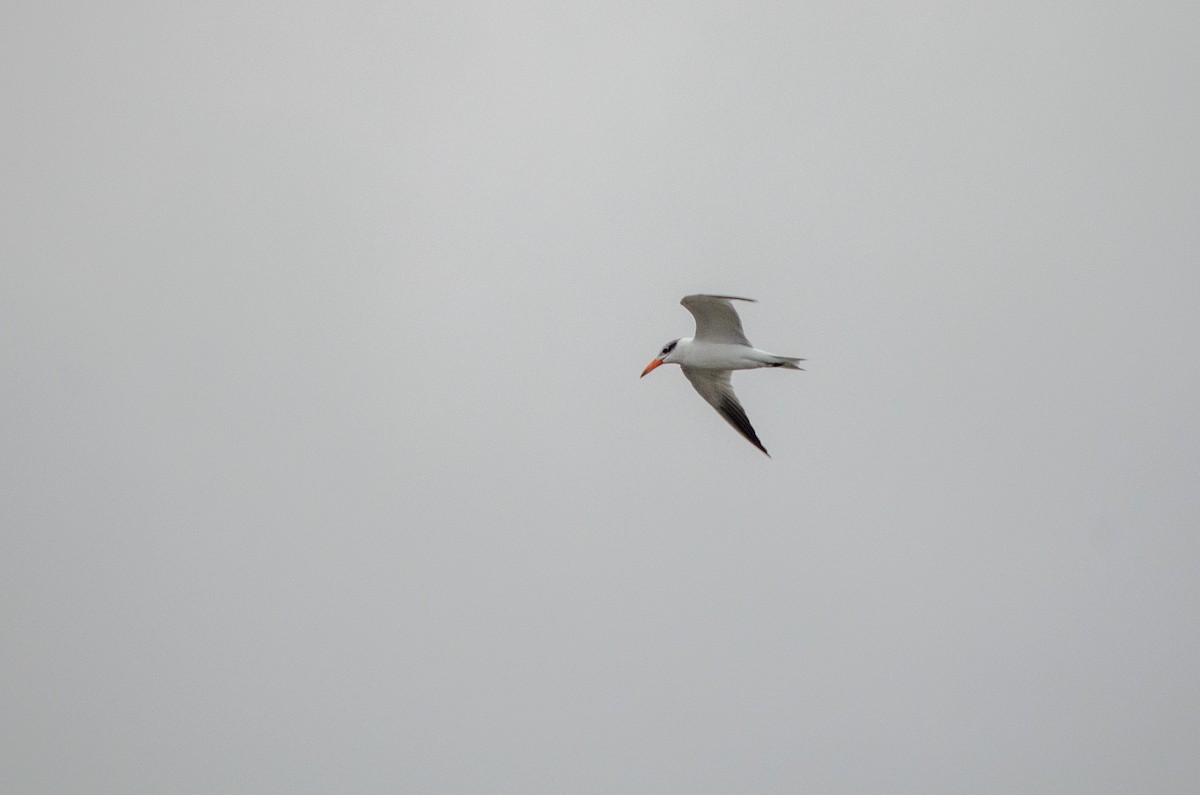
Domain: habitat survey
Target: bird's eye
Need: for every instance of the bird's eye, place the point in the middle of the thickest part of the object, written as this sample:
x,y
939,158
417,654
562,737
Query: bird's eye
x,y
670,346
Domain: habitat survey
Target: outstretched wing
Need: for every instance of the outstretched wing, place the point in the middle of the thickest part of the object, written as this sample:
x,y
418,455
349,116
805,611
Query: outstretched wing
x,y
715,387
716,319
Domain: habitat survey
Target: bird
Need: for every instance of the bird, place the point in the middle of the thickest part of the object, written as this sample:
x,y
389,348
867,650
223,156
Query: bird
x,y
718,348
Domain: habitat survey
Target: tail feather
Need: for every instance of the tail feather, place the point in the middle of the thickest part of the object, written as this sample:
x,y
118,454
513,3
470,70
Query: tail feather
x,y
787,362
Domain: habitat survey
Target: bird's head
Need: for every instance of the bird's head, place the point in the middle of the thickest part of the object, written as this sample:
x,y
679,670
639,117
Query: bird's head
x,y
664,356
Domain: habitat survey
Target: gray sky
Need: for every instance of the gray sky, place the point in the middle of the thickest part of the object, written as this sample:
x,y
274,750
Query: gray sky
x,y
326,466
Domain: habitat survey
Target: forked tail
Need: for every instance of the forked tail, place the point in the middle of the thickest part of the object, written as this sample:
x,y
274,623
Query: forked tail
x,y
787,362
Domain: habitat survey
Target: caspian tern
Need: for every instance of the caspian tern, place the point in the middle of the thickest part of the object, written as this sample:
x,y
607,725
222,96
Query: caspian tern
x,y
719,347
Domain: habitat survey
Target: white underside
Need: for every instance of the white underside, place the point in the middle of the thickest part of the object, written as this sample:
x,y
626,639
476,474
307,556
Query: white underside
x,y
719,356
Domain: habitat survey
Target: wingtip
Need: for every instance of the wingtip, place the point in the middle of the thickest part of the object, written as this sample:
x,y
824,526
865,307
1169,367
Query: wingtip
x,y
721,297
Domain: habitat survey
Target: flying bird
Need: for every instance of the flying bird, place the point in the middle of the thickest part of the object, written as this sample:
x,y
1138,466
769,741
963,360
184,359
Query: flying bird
x,y
719,347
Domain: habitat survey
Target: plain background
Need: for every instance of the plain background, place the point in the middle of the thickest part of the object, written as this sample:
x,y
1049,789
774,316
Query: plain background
x,y
326,466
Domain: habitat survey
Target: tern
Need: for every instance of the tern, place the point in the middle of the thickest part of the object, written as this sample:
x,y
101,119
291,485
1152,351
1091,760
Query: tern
x,y
718,348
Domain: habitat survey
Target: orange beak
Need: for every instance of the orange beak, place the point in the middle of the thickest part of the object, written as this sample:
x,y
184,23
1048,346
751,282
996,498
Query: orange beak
x,y
650,367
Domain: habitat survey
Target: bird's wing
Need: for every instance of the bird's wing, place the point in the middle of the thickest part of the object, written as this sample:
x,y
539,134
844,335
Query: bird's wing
x,y
715,387
716,319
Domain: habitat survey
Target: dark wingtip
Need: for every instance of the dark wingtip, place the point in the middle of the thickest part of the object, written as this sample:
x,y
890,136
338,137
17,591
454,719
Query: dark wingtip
x,y
734,415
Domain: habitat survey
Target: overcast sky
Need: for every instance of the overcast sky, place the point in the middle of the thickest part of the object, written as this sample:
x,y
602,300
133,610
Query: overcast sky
x,y
326,466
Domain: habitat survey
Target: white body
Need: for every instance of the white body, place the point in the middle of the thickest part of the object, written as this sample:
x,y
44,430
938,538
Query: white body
x,y
690,352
